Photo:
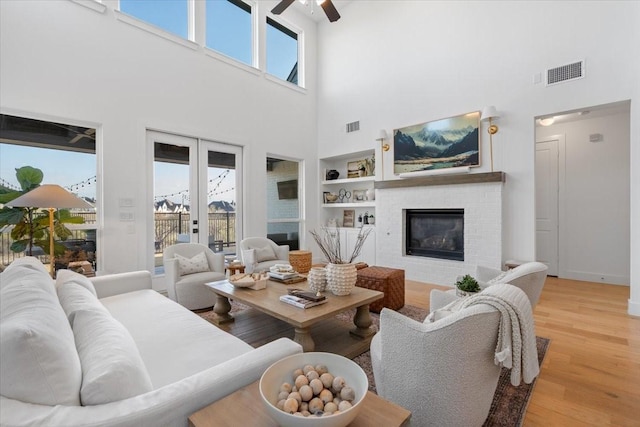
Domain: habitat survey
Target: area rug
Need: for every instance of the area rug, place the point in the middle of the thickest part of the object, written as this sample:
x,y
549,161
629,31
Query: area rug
x,y
509,403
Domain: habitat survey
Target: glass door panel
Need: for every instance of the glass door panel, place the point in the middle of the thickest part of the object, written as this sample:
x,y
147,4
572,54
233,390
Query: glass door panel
x,y
174,183
220,185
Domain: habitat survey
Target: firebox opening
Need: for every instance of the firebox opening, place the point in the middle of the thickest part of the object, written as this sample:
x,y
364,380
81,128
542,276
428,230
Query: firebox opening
x,y
435,233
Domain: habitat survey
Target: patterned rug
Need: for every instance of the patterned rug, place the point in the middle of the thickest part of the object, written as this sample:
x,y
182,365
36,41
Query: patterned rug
x,y
509,403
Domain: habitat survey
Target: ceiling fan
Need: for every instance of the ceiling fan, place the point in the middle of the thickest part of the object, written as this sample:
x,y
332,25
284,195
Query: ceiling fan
x,y
328,7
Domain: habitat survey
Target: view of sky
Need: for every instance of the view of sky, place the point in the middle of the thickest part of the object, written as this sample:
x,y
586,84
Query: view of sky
x,y
228,31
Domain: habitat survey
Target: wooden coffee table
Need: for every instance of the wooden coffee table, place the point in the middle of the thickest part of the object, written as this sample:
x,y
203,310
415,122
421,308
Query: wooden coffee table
x,y
267,301
245,408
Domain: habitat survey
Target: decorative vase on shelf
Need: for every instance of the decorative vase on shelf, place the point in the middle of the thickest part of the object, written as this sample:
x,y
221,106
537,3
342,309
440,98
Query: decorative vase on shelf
x,y
371,194
317,279
341,278
332,174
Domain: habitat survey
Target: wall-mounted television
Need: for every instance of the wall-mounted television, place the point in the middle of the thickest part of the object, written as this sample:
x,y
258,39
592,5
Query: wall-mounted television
x,y
288,189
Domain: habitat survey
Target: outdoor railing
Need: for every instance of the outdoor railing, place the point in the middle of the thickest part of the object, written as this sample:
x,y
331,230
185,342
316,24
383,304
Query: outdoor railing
x,y
168,227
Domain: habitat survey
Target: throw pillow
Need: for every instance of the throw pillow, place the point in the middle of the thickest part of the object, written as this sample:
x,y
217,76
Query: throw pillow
x,y
112,368
74,297
249,259
265,254
65,276
197,264
38,359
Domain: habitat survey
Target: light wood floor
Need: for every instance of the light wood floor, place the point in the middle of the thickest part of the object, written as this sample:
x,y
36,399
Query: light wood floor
x,y
591,372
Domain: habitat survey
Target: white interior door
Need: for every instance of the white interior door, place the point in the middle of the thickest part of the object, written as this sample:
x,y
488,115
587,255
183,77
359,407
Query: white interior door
x,y
547,188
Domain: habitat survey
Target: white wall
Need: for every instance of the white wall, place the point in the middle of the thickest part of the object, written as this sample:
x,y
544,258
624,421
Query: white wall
x,y
62,60
594,226
395,63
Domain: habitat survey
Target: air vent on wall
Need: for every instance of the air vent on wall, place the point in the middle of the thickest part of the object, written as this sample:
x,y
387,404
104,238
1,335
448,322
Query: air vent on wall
x,y
565,73
353,126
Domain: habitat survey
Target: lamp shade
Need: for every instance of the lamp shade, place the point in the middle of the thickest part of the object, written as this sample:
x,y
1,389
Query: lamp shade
x,y
49,196
489,113
382,134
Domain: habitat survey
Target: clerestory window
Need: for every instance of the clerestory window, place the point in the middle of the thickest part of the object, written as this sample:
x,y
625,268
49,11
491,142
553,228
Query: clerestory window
x,y
229,29
169,15
282,51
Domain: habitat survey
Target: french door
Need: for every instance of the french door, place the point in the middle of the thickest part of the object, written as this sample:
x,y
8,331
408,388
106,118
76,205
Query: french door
x,y
197,194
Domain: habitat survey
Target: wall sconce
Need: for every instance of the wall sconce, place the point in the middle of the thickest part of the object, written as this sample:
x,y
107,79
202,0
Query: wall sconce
x,y
382,135
489,113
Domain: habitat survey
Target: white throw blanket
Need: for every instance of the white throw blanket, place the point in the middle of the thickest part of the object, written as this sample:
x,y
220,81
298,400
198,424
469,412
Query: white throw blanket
x,y
516,347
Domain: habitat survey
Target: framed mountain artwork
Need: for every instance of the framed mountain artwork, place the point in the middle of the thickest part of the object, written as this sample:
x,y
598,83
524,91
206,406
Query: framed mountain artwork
x,y
439,144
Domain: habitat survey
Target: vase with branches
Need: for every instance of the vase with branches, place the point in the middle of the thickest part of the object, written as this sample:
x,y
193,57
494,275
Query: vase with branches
x,y
341,272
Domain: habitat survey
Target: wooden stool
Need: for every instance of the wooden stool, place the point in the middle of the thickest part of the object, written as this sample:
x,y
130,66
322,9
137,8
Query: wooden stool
x,y
300,261
389,281
235,268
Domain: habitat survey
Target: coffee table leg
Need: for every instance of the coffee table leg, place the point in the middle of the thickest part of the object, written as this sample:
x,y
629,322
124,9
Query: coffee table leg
x,y
303,337
362,320
222,309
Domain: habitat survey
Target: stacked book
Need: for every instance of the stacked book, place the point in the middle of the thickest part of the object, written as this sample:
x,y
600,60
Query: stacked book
x,y
301,302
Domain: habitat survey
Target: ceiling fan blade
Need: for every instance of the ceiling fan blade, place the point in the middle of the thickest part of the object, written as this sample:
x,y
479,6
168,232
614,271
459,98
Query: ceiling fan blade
x,y
280,7
330,10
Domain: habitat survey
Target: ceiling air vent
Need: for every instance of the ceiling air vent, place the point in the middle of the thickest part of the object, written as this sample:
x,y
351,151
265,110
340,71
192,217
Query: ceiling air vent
x,y
565,73
353,126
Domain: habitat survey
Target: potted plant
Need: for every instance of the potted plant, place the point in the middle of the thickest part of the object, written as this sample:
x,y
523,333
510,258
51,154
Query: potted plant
x,y
341,272
466,286
31,225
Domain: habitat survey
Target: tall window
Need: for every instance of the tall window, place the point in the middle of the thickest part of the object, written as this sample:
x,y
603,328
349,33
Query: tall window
x,y
229,28
66,155
282,52
170,15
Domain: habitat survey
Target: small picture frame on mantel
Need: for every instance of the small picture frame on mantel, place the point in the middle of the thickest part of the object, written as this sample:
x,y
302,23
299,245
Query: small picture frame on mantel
x,y
348,217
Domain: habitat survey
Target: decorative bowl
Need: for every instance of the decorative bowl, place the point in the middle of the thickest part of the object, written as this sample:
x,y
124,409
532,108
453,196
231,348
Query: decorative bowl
x,y
332,197
254,281
282,371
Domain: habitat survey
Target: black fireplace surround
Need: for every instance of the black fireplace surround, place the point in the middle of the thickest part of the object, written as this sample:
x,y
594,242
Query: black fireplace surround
x,y
435,233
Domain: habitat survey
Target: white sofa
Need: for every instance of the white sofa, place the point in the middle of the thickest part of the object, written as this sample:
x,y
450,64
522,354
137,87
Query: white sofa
x,y
112,352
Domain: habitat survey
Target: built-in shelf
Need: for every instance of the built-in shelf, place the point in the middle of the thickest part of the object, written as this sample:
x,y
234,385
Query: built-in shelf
x,y
469,178
348,180
349,205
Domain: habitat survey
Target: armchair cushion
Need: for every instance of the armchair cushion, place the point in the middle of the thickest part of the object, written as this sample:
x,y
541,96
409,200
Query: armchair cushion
x,y
265,253
249,259
196,264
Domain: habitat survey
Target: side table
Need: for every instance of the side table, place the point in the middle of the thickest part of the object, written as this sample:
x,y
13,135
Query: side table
x,y
245,408
235,268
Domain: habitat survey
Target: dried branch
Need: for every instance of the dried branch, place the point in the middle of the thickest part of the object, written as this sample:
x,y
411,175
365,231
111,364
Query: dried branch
x,y
329,243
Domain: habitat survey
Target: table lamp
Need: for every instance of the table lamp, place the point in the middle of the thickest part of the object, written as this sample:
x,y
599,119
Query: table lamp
x,y
49,197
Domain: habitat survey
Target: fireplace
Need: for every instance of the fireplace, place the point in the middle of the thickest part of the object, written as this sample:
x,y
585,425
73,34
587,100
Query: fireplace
x,y
435,233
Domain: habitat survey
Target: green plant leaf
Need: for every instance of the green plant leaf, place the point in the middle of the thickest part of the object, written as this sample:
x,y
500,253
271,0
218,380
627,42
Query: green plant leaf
x,y
29,177
9,216
9,196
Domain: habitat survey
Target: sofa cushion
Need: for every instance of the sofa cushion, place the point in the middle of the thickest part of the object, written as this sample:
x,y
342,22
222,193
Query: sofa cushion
x,y
38,358
112,369
65,276
265,254
196,264
74,297
174,342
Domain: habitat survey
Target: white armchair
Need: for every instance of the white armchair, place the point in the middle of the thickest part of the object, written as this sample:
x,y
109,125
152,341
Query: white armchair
x,y
529,277
443,372
188,266
260,253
